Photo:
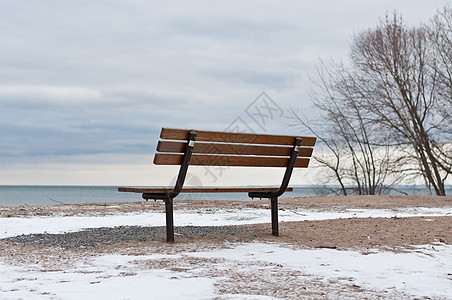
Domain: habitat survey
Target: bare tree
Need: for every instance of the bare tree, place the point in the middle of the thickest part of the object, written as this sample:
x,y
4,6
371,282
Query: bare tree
x,y
356,160
393,80
389,110
331,156
440,34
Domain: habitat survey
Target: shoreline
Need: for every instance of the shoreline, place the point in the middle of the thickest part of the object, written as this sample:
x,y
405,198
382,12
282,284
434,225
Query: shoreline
x,y
316,203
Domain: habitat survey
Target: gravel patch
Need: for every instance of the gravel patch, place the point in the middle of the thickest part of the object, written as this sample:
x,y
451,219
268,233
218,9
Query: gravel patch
x,y
99,237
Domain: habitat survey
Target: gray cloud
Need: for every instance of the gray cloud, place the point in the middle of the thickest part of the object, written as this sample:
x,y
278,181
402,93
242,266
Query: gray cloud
x,y
101,77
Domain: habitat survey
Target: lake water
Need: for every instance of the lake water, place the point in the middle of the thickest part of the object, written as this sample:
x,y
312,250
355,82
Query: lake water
x,y
54,195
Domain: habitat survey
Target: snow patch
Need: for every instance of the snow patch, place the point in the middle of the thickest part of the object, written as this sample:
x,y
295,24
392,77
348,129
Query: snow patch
x,y
59,224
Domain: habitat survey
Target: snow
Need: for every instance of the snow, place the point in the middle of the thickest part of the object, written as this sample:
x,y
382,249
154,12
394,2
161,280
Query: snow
x,y
425,272
203,217
422,271
102,277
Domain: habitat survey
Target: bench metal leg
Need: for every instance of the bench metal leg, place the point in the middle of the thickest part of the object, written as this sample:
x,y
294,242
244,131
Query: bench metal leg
x,y
169,220
274,205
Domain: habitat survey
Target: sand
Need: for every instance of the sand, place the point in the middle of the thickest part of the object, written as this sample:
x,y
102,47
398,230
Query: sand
x,y
365,235
394,233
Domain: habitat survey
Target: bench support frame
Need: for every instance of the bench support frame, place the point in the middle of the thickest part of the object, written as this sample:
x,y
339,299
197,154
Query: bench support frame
x,y
169,220
273,196
168,197
274,206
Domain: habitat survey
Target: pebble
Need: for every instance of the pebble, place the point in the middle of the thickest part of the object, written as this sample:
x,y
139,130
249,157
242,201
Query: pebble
x,y
98,237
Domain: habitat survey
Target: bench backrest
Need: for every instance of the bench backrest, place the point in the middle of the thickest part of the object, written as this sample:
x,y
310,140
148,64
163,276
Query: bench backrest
x,y
217,148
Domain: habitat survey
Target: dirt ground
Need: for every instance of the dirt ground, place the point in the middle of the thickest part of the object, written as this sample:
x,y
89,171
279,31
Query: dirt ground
x,y
390,233
361,234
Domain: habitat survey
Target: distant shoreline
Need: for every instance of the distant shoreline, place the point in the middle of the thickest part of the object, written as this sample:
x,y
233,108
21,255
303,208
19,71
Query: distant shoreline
x,y
27,195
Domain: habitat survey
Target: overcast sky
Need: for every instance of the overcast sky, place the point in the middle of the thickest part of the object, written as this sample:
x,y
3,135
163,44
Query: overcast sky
x,y
85,86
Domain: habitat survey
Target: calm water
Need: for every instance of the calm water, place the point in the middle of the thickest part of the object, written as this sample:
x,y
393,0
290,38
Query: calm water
x,y
54,195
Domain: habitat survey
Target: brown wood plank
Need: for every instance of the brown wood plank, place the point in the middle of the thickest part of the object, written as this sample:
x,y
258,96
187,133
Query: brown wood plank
x,y
232,137
228,160
239,149
200,189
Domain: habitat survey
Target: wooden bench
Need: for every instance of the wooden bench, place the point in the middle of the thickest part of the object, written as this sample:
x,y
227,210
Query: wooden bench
x,y
215,148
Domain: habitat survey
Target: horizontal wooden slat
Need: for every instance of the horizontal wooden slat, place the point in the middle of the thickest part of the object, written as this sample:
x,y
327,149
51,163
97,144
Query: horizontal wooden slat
x,y
239,149
228,160
232,137
201,189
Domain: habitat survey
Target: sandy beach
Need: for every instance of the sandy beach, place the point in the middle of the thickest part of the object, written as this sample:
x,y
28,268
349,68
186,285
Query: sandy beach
x,y
340,233
354,224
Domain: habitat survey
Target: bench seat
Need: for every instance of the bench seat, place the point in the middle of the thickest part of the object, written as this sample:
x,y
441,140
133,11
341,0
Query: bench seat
x,y
144,190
